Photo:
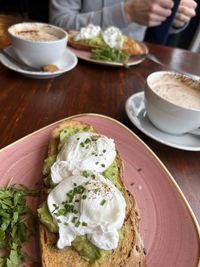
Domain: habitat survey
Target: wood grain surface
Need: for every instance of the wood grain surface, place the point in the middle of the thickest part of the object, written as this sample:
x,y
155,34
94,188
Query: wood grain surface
x,y
28,104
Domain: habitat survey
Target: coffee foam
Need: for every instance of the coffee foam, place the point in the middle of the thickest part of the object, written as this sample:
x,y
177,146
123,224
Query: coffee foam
x,y
177,89
35,32
36,35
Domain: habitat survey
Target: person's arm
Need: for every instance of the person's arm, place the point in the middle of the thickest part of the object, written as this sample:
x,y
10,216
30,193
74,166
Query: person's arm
x,y
67,14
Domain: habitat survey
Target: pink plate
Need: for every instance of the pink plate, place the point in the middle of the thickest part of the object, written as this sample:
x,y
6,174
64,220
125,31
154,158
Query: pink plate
x,y
86,55
168,226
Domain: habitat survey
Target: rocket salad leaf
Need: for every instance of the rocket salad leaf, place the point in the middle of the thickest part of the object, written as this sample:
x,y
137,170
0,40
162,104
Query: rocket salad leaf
x,y
110,54
16,223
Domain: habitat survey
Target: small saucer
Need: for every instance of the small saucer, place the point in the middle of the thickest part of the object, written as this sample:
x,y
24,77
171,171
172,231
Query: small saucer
x,y
66,63
135,109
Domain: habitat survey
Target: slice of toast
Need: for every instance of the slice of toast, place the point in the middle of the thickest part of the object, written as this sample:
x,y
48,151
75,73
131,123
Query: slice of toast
x,y
130,250
130,46
78,44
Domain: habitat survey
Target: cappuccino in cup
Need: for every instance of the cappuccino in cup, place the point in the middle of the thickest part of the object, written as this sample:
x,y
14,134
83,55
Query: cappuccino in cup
x,y
38,44
172,102
36,32
178,90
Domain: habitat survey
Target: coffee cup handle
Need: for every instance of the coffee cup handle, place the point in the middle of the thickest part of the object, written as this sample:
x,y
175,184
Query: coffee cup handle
x,y
195,132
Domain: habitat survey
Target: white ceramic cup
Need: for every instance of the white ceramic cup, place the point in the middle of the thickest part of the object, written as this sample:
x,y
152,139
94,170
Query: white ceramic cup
x,y
37,44
172,102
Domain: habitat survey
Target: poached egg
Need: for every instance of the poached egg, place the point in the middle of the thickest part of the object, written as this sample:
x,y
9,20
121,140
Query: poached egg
x,y
84,151
89,32
87,205
113,37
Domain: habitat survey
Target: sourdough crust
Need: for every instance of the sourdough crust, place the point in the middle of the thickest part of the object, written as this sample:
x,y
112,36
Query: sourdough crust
x,y
130,251
78,45
131,47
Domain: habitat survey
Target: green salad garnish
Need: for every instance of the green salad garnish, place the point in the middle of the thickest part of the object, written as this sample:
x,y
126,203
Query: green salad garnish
x,y
110,55
17,223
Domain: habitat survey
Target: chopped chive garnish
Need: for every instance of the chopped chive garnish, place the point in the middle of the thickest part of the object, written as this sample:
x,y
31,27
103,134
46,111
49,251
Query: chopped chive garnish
x,y
85,174
87,141
77,224
61,212
69,208
103,202
77,190
56,207
74,219
93,176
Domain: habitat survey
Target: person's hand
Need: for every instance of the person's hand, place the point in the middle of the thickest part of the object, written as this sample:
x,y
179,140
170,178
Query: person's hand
x,y
148,12
185,12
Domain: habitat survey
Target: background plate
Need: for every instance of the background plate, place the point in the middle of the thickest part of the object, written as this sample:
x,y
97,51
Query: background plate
x,y
168,226
86,55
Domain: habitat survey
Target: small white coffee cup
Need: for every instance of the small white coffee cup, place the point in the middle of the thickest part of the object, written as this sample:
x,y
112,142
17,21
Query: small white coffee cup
x,y
172,102
37,44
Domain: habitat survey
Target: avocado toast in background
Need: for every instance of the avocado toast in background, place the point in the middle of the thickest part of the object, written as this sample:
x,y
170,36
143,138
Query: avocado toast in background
x,y
83,252
93,37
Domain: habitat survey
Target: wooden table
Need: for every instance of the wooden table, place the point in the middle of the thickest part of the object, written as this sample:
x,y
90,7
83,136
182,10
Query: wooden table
x,y
28,104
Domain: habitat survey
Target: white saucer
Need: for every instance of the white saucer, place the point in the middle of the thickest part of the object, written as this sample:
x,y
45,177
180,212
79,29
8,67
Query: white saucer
x,y
66,63
135,109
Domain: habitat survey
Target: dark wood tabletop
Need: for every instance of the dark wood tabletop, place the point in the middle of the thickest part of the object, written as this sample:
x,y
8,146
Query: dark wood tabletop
x,y
28,104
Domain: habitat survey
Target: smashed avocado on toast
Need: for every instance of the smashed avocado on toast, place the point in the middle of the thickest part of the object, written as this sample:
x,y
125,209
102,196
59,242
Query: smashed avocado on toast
x,y
130,46
94,37
82,252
